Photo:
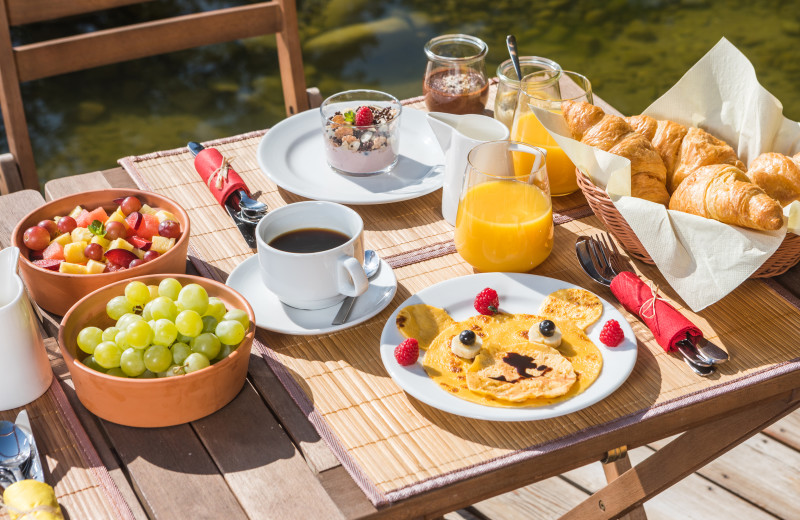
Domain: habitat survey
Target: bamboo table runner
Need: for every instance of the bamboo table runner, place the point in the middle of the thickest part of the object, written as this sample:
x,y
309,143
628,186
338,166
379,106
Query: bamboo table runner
x,y
82,484
393,445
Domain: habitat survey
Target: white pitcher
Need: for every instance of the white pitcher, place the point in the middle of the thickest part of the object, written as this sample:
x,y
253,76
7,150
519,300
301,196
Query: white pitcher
x,y
457,135
25,371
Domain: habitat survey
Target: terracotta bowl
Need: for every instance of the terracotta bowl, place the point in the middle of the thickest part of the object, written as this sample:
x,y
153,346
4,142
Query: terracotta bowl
x,y
55,291
159,402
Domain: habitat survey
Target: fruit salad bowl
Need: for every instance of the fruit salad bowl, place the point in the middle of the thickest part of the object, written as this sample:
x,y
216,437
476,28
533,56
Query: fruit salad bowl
x,y
56,291
153,402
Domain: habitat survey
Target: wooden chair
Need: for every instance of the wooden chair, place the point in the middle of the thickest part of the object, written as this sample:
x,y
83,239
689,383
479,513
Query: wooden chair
x,y
83,51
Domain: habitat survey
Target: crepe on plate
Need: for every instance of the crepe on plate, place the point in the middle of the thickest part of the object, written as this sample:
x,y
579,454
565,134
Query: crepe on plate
x,y
573,366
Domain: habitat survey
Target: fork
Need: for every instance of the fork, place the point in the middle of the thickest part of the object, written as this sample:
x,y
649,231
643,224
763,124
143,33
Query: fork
x,y
608,262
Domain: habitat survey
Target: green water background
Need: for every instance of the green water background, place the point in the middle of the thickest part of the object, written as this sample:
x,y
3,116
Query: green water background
x,y
631,50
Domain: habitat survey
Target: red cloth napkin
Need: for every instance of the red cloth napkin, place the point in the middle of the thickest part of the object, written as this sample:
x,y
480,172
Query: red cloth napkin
x,y
209,162
667,324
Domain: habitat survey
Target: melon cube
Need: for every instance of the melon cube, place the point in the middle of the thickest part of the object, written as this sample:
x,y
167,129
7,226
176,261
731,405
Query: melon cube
x,y
138,252
148,227
165,215
81,234
63,239
103,242
117,216
75,212
73,253
120,243
95,267
82,219
147,210
54,251
70,268
162,244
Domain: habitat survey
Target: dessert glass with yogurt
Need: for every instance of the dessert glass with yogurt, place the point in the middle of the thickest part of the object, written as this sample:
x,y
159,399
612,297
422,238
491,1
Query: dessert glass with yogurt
x,y
361,149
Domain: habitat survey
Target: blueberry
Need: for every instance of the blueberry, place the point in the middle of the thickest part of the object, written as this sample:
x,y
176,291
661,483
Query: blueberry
x,y
467,337
547,328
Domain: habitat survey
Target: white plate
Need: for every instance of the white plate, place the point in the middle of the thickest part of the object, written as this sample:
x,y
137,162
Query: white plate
x,y
292,155
271,314
519,293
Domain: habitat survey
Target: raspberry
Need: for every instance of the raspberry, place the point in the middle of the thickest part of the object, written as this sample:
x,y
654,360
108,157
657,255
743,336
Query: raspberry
x,y
364,116
407,352
612,334
487,302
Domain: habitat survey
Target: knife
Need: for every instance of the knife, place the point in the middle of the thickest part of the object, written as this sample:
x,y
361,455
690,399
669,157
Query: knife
x,y
247,227
33,469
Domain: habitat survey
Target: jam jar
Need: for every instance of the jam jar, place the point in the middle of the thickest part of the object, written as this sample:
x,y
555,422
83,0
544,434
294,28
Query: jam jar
x,y
455,78
542,71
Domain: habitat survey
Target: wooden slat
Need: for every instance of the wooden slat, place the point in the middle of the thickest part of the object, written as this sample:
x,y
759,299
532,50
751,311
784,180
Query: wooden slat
x,y
544,500
787,430
16,126
84,51
22,12
293,77
13,208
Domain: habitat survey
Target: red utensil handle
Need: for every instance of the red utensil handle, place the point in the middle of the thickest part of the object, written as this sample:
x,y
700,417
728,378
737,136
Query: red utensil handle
x,y
667,324
217,174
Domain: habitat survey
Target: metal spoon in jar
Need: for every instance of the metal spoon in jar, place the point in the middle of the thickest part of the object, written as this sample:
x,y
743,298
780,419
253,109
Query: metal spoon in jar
x,y
15,449
511,43
372,263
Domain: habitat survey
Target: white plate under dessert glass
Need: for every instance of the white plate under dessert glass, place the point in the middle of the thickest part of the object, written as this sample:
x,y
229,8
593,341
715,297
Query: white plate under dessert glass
x,y
292,155
519,293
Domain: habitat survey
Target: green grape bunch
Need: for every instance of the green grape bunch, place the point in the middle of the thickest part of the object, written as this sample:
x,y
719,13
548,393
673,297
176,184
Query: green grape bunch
x,y
166,330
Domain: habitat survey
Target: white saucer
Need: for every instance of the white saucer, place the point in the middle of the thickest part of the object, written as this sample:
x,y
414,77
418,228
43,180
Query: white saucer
x,y
292,155
271,314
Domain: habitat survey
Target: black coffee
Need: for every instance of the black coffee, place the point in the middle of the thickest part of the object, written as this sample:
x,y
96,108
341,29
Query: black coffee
x,y
309,240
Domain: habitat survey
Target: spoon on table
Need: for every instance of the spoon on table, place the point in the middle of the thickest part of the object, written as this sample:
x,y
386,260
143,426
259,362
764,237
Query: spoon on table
x,y
511,43
15,449
372,263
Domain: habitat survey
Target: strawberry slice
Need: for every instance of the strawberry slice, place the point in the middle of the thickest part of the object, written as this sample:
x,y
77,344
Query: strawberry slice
x,y
120,257
51,265
134,220
140,242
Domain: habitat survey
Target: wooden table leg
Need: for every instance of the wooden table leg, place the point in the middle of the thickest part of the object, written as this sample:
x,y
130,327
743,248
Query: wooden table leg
x,y
692,450
615,467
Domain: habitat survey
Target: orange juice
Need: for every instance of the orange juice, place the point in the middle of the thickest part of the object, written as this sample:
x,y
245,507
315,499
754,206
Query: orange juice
x,y
504,226
560,170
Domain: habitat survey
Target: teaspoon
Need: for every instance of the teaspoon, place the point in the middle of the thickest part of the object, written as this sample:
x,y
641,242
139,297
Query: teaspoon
x,y
511,43
15,448
372,263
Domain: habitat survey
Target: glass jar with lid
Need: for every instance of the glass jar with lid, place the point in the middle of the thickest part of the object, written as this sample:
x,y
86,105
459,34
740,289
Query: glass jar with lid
x,y
455,77
542,71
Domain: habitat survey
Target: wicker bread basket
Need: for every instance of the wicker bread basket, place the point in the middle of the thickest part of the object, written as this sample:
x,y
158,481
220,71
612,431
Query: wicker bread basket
x,y
784,258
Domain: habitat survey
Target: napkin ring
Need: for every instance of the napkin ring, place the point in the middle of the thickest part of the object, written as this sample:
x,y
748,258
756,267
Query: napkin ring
x,y
221,173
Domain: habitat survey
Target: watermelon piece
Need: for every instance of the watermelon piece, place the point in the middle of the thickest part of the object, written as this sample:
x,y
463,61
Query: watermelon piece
x,y
148,227
51,265
140,242
120,257
54,251
111,268
83,220
98,214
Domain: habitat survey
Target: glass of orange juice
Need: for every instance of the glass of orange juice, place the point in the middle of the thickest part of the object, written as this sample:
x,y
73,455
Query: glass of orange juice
x,y
527,128
505,218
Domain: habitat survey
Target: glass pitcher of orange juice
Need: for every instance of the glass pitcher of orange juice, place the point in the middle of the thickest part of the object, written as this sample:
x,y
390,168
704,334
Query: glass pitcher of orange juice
x,y
505,217
527,128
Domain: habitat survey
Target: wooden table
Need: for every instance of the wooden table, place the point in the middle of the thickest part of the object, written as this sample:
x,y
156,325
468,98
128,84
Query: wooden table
x,y
260,457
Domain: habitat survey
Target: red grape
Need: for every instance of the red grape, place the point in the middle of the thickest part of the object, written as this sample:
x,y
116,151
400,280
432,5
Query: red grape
x,y
94,252
130,204
67,224
169,229
50,226
135,263
115,230
150,255
36,238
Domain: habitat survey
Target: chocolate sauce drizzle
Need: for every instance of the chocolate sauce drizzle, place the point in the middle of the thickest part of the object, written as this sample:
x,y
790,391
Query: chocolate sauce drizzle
x,y
521,364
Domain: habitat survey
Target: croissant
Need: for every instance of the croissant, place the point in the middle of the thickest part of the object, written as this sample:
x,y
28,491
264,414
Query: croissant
x,y
778,175
723,192
590,125
683,149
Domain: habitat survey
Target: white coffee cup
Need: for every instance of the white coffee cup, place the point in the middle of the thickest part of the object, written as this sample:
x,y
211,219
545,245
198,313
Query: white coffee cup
x,y
319,279
25,371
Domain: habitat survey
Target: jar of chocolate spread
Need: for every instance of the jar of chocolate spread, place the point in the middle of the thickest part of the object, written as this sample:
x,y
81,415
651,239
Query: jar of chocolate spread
x,y
455,78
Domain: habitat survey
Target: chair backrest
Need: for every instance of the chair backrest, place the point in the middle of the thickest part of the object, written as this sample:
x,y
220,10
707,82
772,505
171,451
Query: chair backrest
x,y
93,49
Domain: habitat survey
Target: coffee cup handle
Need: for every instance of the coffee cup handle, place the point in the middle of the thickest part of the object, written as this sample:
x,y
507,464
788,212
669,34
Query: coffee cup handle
x,y
352,280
